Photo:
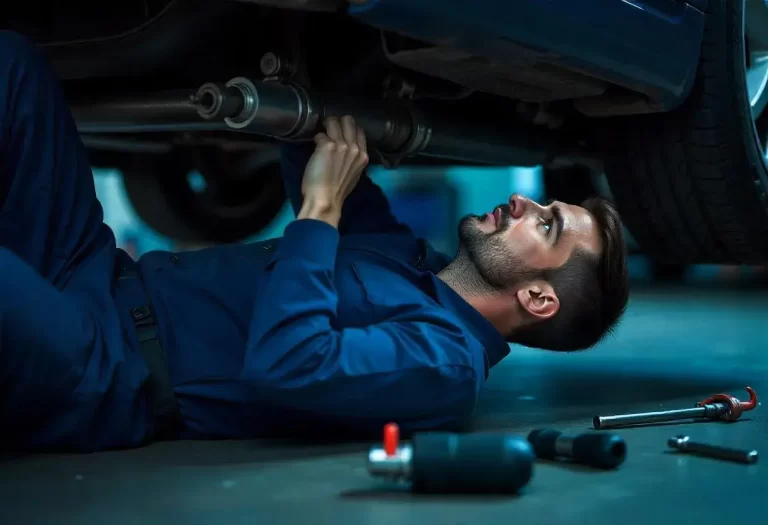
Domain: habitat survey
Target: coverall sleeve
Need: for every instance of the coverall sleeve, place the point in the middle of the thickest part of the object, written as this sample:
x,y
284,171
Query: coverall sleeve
x,y
415,367
366,210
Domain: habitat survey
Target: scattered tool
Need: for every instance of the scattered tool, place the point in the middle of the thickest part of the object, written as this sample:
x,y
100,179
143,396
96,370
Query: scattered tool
x,y
442,462
601,450
684,444
722,407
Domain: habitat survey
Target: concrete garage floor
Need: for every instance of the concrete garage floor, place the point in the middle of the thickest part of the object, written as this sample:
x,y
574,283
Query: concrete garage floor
x,y
674,348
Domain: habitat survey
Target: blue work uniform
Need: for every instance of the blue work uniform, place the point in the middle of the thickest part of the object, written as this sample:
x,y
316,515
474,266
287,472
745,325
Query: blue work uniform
x,y
346,327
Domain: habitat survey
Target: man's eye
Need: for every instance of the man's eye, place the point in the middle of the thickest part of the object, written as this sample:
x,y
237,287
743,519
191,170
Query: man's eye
x,y
547,225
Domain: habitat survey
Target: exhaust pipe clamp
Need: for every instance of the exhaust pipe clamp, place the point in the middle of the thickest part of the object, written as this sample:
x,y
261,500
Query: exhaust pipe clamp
x,y
418,139
273,108
309,113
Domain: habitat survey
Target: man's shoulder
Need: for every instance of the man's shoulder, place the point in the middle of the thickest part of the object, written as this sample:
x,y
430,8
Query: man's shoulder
x,y
385,243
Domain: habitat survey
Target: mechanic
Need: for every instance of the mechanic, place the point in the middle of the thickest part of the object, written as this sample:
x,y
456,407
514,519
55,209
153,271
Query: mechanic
x,y
348,320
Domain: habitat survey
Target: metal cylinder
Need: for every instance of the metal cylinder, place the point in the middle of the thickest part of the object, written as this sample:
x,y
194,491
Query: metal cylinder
x,y
597,449
289,111
644,418
271,108
684,444
166,111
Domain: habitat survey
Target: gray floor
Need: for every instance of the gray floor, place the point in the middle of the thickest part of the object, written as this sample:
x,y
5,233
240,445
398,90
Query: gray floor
x,y
674,349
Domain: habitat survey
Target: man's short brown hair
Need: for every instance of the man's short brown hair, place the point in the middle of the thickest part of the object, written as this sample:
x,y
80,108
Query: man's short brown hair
x,y
593,289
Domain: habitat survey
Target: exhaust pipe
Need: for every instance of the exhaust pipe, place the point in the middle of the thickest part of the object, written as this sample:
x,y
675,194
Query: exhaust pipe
x,y
168,111
287,111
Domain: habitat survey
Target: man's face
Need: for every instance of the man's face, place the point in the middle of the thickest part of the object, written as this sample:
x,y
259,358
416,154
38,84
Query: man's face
x,y
521,236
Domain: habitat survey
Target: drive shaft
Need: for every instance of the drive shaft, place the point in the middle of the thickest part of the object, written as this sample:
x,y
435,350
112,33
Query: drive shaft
x,y
722,407
395,128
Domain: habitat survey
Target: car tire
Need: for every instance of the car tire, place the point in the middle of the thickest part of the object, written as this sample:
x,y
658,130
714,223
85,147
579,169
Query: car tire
x,y
161,193
691,184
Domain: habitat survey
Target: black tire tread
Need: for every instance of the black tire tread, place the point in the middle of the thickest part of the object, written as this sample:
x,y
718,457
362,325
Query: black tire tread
x,y
690,184
160,209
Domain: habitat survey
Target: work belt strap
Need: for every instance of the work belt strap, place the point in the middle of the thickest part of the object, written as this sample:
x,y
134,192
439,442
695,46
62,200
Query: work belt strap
x,y
165,406
167,417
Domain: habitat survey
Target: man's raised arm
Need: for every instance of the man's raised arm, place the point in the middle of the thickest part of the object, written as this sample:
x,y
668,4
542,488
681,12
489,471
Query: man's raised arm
x,y
365,211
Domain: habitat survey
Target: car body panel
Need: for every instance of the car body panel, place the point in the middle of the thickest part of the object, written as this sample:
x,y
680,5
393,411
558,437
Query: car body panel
x,y
647,46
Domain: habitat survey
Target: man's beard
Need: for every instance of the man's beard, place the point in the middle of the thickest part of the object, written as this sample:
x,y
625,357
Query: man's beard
x,y
489,254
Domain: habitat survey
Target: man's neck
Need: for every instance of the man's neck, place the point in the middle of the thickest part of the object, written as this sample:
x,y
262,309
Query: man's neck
x,y
462,275
464,278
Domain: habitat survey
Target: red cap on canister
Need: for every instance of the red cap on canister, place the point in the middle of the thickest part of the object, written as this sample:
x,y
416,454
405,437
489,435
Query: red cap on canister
x,y
391,438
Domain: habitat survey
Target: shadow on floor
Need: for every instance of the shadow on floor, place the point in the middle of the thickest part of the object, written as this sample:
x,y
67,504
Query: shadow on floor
x,y
538,391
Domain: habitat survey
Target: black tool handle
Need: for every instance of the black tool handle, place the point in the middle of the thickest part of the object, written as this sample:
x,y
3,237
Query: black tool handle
x,y
601,450
470,463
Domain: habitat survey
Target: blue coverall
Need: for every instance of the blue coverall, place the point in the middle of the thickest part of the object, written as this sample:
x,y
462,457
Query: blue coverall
x,y
343,327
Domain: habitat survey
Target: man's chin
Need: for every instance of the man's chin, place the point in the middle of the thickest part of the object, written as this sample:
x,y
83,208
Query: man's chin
x,y
469,227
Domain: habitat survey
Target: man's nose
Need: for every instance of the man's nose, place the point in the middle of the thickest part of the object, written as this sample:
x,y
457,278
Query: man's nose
x,y
517,205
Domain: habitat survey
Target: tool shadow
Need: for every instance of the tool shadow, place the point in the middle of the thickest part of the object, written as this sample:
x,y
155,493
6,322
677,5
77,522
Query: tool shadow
x,y
567,464
401,494
670,423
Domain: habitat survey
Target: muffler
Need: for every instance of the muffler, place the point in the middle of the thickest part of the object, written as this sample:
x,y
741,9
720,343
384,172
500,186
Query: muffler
x,y
395,128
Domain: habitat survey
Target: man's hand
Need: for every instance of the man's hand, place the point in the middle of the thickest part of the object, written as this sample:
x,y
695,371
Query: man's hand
x,y
333,171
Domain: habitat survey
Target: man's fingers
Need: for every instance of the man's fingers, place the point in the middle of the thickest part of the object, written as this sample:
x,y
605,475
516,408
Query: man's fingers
x,y
333,129
360,139
349,130
323,143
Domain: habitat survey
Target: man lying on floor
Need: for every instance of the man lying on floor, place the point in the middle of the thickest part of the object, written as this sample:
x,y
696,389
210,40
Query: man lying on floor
x,y
348,319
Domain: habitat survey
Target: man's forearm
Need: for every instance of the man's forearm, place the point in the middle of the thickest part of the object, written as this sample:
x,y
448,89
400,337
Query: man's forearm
x,y
320,210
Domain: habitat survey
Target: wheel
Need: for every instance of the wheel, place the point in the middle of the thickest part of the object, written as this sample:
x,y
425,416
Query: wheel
x,y
206,196
691,184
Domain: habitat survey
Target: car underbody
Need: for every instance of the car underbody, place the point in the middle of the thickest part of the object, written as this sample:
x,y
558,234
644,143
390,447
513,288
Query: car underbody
x,y
148,79
159,88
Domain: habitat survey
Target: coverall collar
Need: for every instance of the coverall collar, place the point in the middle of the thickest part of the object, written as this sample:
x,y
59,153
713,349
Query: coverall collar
x,y
496,347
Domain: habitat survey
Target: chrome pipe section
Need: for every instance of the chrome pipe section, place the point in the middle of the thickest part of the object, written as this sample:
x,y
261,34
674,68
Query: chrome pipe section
x,y
289,111
395,128
268,108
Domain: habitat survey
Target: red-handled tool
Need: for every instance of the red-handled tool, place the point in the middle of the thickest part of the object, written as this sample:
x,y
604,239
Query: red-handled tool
x,y
721,407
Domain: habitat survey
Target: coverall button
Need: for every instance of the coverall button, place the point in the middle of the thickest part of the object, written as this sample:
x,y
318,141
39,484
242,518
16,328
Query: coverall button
x,y
268,247
174,258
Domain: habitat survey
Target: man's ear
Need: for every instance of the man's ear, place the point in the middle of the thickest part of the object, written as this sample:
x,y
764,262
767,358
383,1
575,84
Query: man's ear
x,y
538,298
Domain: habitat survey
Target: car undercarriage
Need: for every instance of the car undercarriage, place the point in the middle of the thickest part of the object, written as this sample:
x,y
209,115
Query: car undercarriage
x,y
154,94
162,88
